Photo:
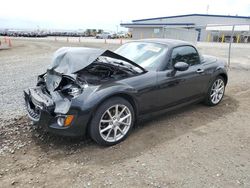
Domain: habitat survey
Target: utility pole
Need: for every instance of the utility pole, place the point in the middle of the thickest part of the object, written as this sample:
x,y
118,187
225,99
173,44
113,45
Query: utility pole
x,y
117,28
230,44
207,8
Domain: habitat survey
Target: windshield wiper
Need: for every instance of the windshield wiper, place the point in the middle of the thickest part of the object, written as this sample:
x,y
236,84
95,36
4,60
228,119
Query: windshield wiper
x,y
118,63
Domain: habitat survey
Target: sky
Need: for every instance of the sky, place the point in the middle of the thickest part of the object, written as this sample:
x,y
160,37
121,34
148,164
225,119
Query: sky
x,y
105,14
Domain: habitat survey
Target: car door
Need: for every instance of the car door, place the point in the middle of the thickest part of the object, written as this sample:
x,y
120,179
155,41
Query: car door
x,y
175,87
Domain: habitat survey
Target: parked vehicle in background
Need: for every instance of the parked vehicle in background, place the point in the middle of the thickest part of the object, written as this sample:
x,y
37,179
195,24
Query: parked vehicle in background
x,y
122,34
106,35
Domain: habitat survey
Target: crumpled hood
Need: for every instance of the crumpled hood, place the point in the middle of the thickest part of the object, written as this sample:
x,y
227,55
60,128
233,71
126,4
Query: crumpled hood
x,y
68,60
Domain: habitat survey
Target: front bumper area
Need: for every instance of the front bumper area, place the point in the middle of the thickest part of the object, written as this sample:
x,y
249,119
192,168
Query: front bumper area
x,y
40,109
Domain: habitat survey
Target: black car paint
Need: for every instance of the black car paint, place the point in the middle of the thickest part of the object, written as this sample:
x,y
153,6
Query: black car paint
x,y
149,92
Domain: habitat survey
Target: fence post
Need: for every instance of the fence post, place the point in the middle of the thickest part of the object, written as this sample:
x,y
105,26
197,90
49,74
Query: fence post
x,y
10,43
230,44
208,37
222,38
238,38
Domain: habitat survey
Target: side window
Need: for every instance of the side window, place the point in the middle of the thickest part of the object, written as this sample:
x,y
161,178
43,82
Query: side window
x,y
185,54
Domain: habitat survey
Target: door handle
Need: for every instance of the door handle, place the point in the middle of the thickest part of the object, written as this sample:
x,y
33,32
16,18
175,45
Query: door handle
x,y
200,71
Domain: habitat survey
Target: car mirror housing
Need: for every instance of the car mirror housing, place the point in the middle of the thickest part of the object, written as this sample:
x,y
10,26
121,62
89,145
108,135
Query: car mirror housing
x,y
181,66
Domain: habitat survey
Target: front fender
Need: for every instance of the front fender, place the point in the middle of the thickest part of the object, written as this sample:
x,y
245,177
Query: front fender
x,y
115,89
92,97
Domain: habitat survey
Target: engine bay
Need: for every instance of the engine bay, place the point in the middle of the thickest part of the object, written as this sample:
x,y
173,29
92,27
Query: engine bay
x,y
98,73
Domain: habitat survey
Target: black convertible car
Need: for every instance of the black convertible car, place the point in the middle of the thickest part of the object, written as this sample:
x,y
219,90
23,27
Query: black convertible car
x,y
103,93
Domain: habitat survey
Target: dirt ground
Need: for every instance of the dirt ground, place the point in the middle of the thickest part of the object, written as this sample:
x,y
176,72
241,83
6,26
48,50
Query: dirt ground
x,y
195,146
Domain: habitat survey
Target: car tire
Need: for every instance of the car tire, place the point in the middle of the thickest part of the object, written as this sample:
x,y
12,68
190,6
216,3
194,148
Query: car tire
x,y
112,122
215,92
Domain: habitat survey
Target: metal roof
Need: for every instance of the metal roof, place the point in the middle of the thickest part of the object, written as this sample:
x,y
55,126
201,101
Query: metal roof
x,y
156,24
186,15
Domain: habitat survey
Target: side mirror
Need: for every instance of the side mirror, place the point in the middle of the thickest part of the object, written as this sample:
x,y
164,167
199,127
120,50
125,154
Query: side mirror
x,y
181,66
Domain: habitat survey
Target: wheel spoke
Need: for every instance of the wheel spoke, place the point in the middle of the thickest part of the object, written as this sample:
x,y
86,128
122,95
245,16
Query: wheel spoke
x,y
218,97
217,85
108,134
116,110
115,133
106,128
221,88
124,123
106,120
125,117
220,84
111,117
214,97
118,128
122,111
213,94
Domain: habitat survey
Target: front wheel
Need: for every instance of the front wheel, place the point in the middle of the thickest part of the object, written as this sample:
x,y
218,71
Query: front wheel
x,y
112,122
216,92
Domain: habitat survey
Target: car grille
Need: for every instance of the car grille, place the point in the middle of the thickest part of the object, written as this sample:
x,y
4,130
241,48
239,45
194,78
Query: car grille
x,y
33,112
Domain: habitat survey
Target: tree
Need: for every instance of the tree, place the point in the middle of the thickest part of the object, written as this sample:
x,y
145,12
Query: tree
x,y
99,31
88,32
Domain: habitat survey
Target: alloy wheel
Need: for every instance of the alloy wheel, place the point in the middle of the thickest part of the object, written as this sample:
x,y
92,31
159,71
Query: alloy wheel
x,y
217,91
115,123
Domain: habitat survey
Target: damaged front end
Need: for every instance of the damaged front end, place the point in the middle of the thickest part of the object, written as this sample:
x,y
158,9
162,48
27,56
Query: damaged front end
x,y
53,93
73,71
49,102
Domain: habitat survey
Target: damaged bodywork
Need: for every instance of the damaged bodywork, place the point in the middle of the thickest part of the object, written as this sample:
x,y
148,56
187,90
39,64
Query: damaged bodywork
x,y
102,93
72,70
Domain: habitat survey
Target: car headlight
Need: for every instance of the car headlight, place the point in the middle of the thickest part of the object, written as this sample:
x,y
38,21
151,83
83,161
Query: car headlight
x,y
64,120
73,90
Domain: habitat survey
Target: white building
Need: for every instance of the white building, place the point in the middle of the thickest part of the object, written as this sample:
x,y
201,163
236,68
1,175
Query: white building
x,y
191,27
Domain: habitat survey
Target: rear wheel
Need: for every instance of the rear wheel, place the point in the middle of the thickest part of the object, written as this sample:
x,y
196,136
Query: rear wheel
x,y
215,92
112,121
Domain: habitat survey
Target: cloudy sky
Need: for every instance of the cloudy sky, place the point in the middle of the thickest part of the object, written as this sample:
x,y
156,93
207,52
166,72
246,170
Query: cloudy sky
x,y
107,14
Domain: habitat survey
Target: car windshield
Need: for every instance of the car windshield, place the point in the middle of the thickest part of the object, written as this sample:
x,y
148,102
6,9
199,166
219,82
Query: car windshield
x,y
146,54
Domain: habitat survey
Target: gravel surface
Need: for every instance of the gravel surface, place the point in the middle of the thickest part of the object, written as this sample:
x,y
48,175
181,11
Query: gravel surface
x,y
195,146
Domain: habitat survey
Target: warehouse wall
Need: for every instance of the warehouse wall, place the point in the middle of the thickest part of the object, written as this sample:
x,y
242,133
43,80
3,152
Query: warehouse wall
x,y
199,21
144,32
181,34
171,33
